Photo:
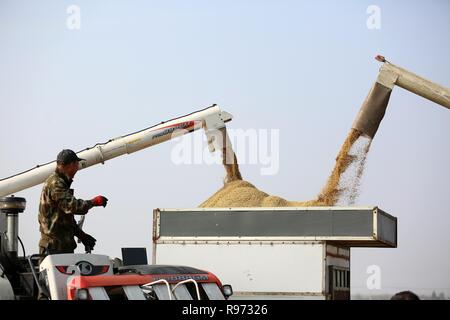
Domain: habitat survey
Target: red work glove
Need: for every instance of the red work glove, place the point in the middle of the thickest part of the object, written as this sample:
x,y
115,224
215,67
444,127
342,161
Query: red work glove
x,y
99,201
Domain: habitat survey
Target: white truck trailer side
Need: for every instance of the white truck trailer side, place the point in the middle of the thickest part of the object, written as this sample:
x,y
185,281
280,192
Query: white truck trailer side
x,y
273,253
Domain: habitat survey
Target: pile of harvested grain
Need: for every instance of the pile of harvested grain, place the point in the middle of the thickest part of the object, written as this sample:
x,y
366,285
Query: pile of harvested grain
x,y
239,193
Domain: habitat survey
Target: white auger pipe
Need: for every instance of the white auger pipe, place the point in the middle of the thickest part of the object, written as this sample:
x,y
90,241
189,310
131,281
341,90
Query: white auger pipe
x,y
211,119
391,75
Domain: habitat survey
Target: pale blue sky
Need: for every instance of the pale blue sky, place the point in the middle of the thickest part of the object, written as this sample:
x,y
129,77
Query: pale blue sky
x,y
301,67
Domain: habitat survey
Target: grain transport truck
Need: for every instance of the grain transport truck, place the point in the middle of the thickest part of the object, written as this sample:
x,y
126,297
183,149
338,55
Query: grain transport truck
x,y
273,253
93,276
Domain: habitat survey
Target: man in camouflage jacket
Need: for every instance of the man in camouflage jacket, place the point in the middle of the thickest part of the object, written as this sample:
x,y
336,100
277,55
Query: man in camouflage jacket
x,y
58,206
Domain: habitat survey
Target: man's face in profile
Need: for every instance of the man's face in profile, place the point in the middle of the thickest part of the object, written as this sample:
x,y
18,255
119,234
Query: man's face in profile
x,y
71,169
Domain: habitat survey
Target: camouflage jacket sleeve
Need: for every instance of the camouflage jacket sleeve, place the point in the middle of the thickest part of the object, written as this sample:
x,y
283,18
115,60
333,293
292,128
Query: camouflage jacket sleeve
x,y
66,201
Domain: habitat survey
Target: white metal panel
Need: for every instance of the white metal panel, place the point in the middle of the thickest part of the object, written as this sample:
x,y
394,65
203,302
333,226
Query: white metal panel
x,y
98,293
6,291
161,291
336,256
2,223
182,293
345,225
134,293
57,280
338,262
265,209
253,268
214,239
2,231
212,291
270,296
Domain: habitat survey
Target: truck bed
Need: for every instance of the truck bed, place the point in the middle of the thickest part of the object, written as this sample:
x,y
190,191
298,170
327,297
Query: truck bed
x,y
348,226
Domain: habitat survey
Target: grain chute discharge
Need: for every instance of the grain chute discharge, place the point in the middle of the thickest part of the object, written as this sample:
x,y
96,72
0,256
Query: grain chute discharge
x,y
237,192
342,185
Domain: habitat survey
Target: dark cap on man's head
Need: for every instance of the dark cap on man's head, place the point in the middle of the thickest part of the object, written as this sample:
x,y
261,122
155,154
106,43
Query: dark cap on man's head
x,y
67,156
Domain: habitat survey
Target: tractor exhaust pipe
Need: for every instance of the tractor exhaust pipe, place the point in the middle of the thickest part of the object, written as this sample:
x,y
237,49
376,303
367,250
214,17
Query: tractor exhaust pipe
x,y
10,207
